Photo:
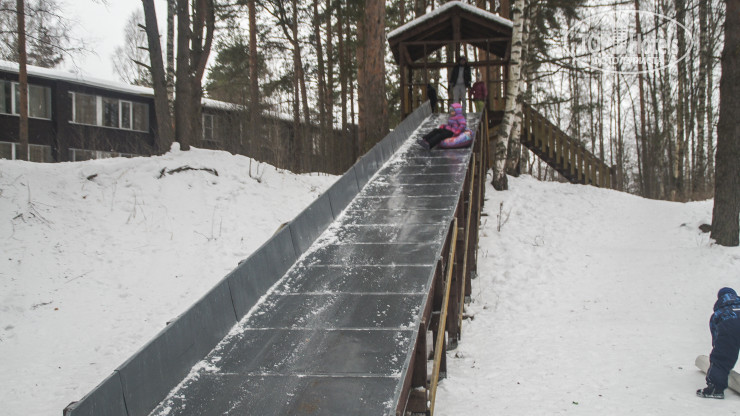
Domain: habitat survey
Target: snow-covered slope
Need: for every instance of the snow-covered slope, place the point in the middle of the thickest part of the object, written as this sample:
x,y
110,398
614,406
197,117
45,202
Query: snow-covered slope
x,y
589,302
97,256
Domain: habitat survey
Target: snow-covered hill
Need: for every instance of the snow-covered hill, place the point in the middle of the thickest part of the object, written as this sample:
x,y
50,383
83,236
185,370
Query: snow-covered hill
x,y
588,301
97,256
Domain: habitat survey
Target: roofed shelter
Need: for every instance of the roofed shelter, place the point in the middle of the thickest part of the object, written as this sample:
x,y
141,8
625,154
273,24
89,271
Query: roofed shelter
x,y
454,26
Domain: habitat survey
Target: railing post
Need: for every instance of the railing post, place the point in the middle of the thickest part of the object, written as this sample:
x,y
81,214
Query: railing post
x,y
543,136
572,158
561,148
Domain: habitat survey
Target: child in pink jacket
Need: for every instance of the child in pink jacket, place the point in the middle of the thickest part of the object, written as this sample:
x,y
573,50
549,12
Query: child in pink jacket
x,y
456,124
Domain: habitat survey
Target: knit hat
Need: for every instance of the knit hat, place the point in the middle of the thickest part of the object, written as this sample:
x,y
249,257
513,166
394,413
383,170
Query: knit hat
x,y
457,107
726,290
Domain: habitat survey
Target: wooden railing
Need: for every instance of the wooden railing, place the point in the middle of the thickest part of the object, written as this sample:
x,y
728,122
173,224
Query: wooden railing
x,y
443,314
565,154
416,93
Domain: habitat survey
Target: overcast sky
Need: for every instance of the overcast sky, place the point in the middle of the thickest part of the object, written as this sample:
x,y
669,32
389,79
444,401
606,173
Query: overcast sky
x,y
100,23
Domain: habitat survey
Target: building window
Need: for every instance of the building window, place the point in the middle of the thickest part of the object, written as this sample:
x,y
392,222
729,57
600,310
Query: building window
x,y
140,116
208,127
84,109
109,112
36,152
6,95
39,100
126,115
79,155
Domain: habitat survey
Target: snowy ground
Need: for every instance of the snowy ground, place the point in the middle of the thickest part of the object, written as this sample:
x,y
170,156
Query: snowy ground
x,y
93,267
588,301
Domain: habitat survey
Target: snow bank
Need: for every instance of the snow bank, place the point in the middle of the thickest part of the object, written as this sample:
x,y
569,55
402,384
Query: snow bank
x,y
97,256
589,302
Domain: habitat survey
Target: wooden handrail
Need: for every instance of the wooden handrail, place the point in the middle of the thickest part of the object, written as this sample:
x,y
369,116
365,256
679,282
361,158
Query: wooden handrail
x,y
565,154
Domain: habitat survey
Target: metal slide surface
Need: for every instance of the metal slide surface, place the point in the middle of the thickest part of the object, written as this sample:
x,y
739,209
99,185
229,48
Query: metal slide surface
x,y
336,334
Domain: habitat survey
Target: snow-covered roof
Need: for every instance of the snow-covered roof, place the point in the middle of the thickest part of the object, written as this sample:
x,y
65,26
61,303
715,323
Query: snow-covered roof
x,y
447,6
58,74
220,105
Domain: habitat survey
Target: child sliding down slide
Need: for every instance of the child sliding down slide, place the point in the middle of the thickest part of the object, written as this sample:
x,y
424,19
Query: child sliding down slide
x,y
456,124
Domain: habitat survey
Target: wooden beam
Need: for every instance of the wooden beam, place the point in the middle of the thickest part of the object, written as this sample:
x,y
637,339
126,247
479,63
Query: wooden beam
x,y
441,65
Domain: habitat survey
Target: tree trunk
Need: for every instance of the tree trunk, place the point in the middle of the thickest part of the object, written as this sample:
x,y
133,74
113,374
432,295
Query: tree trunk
x,y
645,179
22,153
194,40
255,110
329,64
373,106
343,78
322,92
183,124
515,147
499,180
161,102
701,112
679,190
171,6
725,226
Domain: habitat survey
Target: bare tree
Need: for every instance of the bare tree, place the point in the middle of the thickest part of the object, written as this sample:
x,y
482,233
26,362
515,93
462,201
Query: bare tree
x,y
195,29
161,104
171,7
254,89
22,81
128,59
47,33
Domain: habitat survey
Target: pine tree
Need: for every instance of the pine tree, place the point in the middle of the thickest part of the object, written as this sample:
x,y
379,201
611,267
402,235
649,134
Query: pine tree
x,y
373,120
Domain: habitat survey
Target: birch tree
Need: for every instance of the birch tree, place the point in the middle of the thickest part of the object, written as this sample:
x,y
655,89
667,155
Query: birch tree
x,y
514,150
499,180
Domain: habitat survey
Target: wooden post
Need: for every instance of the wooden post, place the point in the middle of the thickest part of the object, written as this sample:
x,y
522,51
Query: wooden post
x,y
561,149
488,79
572,158
439,348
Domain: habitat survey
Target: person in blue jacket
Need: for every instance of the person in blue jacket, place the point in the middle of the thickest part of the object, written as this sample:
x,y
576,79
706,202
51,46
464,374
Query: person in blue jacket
x,y
725,328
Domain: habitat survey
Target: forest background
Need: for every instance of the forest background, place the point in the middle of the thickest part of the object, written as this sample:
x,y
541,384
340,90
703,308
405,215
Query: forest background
x,y
319,62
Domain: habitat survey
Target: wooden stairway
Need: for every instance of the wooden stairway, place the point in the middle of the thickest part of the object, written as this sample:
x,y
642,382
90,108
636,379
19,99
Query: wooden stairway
x,y
563,153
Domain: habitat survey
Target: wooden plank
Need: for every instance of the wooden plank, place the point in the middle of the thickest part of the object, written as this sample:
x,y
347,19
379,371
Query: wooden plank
x,y
465,274
439,348
572,158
